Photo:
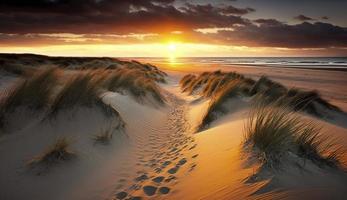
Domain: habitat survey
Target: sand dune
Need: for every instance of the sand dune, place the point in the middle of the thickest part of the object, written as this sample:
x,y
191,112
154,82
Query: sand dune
x,y
155,151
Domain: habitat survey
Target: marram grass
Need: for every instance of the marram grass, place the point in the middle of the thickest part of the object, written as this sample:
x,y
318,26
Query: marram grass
x,y
276,131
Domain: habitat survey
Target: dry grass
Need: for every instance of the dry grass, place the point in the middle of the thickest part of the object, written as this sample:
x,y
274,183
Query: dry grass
x,y
276,131
33,93
104,137
133,82
307,101
186,80
232,89
80,89
12,68
221,86
58,152
208,82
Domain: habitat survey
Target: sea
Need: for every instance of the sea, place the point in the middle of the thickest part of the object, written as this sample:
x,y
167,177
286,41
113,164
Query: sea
x,y
305,62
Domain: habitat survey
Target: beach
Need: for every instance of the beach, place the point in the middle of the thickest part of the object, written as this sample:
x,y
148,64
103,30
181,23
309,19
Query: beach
x,y
159,148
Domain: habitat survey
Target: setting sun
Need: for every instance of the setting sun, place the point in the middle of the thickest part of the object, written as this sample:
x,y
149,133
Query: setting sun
x,y
172,52
172,47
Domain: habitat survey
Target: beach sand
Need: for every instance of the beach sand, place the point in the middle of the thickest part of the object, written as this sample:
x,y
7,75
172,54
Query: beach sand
x,y
161,156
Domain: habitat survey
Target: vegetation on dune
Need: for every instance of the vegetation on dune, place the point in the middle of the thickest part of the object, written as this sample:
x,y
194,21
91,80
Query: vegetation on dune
x,y
104,137
50,91
12,68
231,89
80,89
197,83
221,86
19,62
275,131
134,82
186,80
307,100
58,152
33,93
298,100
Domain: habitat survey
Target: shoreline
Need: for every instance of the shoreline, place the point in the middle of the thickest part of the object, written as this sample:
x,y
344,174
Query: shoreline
x,y
310,67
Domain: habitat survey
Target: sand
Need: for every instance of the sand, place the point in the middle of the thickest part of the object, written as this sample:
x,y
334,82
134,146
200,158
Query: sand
x,y
161,157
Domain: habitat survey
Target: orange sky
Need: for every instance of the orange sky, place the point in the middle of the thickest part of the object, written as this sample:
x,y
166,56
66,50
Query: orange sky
x,y
172,28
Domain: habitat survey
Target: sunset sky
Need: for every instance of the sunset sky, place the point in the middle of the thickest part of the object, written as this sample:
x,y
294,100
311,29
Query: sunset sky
x,y
187,28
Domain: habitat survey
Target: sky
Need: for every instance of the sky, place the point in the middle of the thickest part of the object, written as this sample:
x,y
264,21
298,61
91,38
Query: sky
x,y
174,28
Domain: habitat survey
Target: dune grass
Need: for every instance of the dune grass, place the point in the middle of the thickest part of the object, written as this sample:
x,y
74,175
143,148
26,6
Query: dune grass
x,y
221,86
185,81
104,137
276,131
33,93
12,68
213,85
78,90
307,101
133,82
232,89
57,152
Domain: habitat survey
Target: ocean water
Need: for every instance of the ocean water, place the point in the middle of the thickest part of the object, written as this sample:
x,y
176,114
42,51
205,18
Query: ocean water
x,y
312,62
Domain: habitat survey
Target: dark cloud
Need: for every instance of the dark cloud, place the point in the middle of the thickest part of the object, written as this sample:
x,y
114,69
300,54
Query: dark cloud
x,y
97,21
275,34
303,18
112,16
325,17
267,22
231,10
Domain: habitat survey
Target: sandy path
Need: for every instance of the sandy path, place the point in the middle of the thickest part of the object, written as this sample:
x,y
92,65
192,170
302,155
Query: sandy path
x,y
161,156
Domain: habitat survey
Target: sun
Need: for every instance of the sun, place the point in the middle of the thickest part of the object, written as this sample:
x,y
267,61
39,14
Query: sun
x,y
172,47
172,52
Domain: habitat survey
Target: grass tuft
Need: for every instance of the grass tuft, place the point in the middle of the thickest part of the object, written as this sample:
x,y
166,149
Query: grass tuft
x,y
275,131
220,86
58,152
32,93
104,137
80,89
232,89
133,82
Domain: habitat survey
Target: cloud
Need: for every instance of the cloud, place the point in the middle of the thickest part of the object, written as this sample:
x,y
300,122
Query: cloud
x,y
271,33
42,22
268,22
303,18
112,16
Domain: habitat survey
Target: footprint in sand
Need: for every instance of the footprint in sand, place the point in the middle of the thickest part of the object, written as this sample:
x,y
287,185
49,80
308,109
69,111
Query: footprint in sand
x,y
182,162
158,179
170,178
135,187
141,178
121,195
192,147
192,167
164,190
166,163
150,190
173,170
158,170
